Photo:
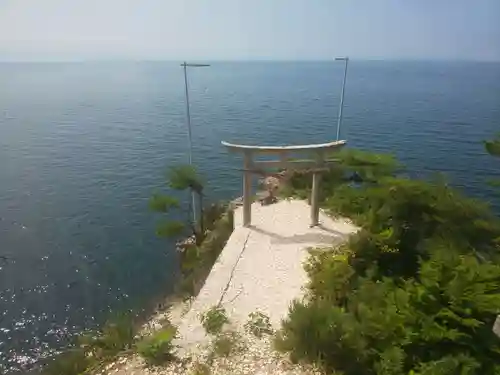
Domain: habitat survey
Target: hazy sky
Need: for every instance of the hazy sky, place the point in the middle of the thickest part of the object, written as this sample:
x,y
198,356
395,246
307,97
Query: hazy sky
x,y
249,29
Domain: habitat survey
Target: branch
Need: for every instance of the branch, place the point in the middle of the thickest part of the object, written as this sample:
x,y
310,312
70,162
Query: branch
x,y
183,177
170,229
162,203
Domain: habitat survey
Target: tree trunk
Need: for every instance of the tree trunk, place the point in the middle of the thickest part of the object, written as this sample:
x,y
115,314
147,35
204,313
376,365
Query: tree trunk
x,y
202,214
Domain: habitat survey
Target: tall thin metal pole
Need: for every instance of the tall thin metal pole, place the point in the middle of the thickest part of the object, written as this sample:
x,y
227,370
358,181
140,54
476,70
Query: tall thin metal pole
x,y
190,140
339,123
188,114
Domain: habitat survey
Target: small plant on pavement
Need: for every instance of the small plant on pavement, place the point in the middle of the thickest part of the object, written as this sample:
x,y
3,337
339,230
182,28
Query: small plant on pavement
x,y
258,324
157,349
201,369
226,344
214,319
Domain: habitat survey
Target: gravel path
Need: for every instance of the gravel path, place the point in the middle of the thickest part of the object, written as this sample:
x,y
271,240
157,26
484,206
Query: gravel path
x,y
260,269
255,357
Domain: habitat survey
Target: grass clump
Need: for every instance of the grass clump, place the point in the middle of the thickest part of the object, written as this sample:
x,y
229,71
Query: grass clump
x,y
201,369
94,348
214,320
258,324
157,348
71,362
226,344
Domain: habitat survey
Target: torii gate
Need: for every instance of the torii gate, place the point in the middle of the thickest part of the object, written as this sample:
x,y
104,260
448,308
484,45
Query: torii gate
x,y
317,165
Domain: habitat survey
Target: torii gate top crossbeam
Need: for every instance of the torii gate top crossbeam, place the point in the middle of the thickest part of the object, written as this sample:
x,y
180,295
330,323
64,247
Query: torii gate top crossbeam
x,y
273,149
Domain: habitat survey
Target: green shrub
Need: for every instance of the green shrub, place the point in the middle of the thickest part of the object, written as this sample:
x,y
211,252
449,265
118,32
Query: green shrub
x,y
72,362
416,291
157,348
330,275
116,335
92,349
214,319
258,324
441,319
493,146
201,369
400,216
351,165
226,344
197,261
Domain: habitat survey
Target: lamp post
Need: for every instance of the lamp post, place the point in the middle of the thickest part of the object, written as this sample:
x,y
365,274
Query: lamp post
x,y
185,65
339,122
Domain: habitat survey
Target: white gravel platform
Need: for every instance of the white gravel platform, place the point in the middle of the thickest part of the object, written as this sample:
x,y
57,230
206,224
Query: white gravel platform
x,y
261,267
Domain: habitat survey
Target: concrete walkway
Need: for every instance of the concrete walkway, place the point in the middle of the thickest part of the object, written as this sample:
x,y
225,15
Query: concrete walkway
x,y
261,267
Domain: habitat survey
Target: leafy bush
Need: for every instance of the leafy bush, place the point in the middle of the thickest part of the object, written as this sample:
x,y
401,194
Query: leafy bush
x,y
352,166
400,215
446,316
72,362
94,348
214,319
157,348
493,146
258,324
416,291
115,336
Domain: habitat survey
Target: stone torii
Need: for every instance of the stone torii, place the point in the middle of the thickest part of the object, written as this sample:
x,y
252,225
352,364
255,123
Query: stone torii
x,y
317,164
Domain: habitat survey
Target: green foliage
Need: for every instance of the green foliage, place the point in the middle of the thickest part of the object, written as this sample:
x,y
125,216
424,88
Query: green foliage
x,y
460,364
170,229
197,261
213,213
258,324
400,216
157,348
493,146
71,362
214,319
368,167
226,344
352,166
115,336
91,349
163,203
330,275
416,291
376,326
184,177
201,369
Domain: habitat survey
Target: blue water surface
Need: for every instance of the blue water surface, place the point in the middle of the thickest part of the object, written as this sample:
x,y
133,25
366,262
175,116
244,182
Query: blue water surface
x,y
84,145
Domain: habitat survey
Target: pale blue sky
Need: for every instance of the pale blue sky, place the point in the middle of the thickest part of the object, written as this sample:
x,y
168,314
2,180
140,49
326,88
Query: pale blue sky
x,y
251,29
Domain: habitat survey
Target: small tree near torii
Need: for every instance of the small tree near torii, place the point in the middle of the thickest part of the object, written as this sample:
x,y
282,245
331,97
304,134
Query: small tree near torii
x,y
493,146
181,178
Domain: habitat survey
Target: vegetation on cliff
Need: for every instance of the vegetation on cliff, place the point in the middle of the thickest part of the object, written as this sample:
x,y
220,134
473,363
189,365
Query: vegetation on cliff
x,y
94,349
416,291
203,241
